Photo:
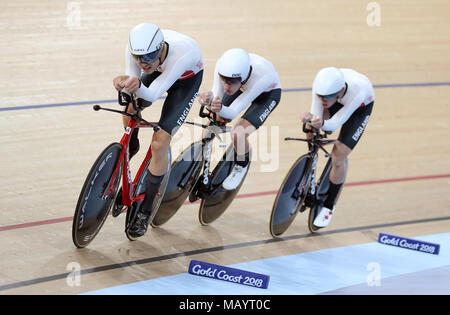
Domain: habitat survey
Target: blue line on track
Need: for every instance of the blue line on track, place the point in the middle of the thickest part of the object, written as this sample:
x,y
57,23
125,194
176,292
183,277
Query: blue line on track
x,y
399,85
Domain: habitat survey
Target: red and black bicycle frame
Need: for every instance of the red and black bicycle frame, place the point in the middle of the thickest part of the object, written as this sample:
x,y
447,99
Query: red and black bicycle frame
x,y
129,185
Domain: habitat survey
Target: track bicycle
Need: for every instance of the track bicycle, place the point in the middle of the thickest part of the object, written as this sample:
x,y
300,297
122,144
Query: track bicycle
x,y
100,188
299,189
192,178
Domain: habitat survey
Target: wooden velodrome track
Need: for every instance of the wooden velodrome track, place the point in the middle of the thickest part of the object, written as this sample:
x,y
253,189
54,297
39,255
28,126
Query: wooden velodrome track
x,y
399,175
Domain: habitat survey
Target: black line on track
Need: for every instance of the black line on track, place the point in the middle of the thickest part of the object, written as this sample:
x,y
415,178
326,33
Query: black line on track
x,y
209,250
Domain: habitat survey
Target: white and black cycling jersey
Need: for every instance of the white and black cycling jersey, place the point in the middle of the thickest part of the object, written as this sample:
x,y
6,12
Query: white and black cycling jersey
x,y
184,60
263,78
359,94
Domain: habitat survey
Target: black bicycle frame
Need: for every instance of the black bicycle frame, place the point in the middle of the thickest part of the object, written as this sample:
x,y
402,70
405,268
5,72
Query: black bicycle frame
x,y
206,150
315,144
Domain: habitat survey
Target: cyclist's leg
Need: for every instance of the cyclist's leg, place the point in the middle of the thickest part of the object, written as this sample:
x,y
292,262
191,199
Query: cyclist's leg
x,y
252,119
349,136
178,103
176,107
239,134
338,171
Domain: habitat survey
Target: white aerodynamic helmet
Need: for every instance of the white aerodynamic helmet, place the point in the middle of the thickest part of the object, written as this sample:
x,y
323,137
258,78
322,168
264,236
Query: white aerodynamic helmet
x,y
328,81
146,42
234,63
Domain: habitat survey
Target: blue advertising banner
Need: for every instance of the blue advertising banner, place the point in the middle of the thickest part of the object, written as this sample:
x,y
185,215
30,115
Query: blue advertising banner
x,y
200,268
408,243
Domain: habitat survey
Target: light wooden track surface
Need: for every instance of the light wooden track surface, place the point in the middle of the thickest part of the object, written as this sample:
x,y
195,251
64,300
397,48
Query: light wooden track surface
x,y
47,152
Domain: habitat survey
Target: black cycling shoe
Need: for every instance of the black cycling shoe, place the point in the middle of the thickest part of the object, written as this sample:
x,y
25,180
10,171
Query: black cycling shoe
x,y
144,209
140,225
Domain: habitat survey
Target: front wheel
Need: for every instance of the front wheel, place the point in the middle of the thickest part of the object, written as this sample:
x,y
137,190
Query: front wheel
x,y
290,196
93,204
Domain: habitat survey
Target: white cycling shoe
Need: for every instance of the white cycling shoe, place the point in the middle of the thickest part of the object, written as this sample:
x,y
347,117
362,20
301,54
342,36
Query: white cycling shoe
x,y
324,217
234,179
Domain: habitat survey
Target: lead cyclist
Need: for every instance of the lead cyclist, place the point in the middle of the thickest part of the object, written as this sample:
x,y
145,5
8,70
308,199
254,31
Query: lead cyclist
x,y
158,61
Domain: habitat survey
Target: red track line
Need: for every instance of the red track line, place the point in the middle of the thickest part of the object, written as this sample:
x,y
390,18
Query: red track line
x,y
36,223
249,195
396,180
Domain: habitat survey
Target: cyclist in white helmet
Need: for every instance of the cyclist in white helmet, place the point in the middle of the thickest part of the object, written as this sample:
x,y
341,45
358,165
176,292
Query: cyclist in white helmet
x,y
340,98
159,61
242,80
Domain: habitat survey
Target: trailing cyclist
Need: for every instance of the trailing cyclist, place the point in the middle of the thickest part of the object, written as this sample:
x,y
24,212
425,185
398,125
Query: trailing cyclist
x,y
340,98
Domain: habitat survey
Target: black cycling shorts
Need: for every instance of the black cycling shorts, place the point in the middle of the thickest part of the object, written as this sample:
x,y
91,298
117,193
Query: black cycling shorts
x,y
353,128
260,108
180,98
